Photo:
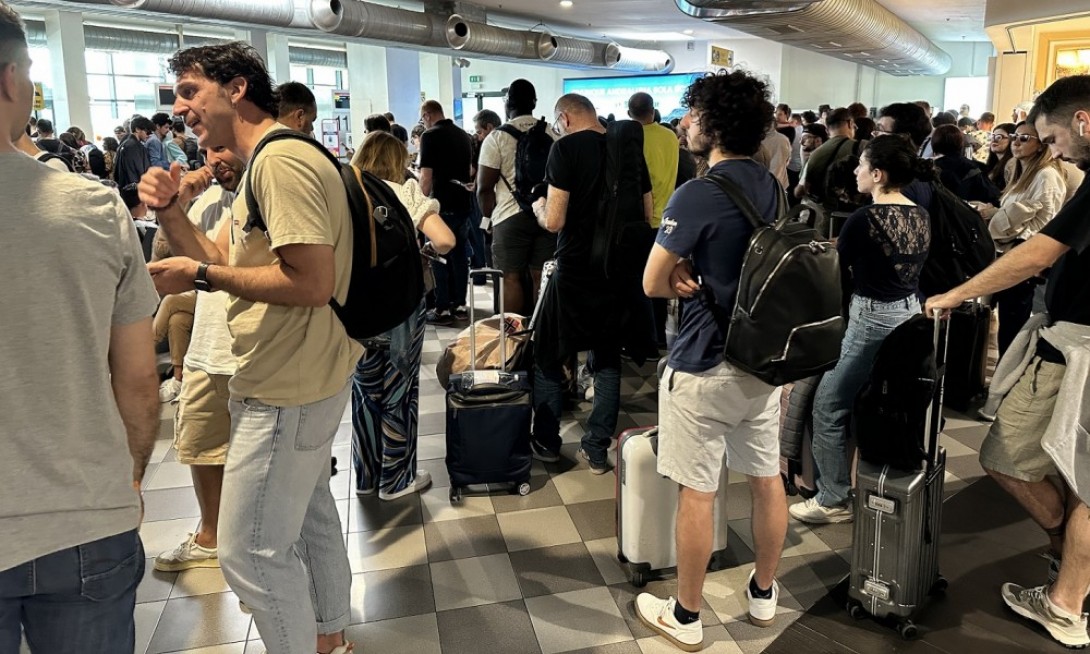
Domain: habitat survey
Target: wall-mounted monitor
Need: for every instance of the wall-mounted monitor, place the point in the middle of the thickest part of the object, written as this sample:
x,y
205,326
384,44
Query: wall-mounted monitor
x,y
164,95
610,94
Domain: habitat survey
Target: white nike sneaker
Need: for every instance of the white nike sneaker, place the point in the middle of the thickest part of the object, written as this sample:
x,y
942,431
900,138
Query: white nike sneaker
x,y
813,513
658,615
187,555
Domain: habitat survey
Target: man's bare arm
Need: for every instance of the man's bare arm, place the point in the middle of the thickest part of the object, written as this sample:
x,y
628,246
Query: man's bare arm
x,y
136,389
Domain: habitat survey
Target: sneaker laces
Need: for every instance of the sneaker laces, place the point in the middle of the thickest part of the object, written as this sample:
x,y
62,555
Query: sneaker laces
x,y
1037,598
184,547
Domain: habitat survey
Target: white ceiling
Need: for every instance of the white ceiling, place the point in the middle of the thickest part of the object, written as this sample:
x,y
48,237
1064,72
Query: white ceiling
x,y
661,20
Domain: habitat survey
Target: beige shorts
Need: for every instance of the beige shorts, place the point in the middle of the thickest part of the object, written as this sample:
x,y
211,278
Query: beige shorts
x,y
202,424
1013,445
720,415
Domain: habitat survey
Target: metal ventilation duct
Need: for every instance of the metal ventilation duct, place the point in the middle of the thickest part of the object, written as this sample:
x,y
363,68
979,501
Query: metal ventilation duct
x,y
371,21
468,36
861,31
96,37
317,57
634,60
564,50
280,13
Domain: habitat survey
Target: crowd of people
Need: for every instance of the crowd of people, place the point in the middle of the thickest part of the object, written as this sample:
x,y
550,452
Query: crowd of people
x,y
254,244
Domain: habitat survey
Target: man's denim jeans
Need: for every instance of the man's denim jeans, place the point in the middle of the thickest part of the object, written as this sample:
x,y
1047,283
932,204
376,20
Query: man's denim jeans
x,y
78,599
280,532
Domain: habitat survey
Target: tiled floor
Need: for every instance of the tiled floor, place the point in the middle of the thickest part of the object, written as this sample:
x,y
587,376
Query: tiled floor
x,y
502,573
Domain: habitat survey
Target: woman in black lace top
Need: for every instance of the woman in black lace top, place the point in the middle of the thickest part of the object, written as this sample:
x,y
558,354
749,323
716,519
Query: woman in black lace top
x,y
882,248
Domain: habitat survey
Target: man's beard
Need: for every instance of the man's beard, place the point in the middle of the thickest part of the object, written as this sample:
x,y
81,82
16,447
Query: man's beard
x,y
701,146
1081,156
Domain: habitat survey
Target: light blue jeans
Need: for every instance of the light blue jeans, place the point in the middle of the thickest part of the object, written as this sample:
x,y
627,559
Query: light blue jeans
x,y
869,322
279,527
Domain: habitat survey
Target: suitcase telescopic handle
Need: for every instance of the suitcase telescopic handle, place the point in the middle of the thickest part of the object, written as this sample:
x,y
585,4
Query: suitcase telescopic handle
x,y
497,276
934,410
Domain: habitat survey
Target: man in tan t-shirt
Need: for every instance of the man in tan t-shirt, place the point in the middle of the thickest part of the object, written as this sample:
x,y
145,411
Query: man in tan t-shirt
x,y
279,528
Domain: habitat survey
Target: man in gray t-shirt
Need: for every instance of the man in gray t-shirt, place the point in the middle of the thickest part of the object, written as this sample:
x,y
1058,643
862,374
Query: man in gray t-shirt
x,y
79,408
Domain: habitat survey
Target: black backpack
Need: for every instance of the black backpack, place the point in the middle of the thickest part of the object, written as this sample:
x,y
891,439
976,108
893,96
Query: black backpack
x,y
47,156
961,246
531,157
623,238
787,322
890,416
387,282
192,152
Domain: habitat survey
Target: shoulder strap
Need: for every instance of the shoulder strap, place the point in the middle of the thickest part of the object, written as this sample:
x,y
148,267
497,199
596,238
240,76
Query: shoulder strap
x,y
511,130
255,219
740,199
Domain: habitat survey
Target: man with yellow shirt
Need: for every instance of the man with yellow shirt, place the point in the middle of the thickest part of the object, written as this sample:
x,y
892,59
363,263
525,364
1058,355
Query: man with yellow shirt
x,y
662,151
279,528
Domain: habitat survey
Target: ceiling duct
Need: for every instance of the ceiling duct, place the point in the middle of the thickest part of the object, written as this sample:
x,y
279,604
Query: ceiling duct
x,y
565,50
371,21
480,38
279,13
98,37
317,57
860,31
635,60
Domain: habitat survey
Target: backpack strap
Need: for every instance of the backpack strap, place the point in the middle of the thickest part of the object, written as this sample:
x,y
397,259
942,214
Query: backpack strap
x,y
254,218
746,206
518,135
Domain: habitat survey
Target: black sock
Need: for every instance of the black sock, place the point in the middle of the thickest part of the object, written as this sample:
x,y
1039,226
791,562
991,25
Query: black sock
x,y
683,615
756,591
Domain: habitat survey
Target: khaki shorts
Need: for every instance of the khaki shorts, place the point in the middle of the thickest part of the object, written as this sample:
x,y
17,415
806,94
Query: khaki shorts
x,y
202,424
718,415
1013,446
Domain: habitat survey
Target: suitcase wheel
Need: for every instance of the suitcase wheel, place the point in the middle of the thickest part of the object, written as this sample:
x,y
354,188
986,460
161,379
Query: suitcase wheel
x,y
524,489
939,587
907,630
455,496
638,578
856,610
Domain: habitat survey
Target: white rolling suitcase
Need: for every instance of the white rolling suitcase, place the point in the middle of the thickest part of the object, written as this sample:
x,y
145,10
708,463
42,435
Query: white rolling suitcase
x,y
647,508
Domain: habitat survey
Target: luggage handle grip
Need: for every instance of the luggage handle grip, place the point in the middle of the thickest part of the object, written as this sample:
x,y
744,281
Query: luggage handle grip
x,y
934,410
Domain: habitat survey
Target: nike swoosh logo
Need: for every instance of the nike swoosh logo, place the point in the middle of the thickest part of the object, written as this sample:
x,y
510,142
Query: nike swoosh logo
x,y
663,623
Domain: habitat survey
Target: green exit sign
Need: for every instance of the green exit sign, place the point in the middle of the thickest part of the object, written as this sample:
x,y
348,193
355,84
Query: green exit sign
x,y
476,79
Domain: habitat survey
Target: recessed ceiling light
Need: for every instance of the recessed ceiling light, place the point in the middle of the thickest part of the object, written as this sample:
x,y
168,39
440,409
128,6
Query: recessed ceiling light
x,y
566,4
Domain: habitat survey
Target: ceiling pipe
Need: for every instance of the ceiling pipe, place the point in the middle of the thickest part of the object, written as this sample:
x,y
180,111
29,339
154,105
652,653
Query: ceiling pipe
x,y
278,13
860,31
468,36
565,50
635,60
370,21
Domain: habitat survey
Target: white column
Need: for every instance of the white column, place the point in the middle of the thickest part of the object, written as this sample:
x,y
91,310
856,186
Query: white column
x,y
273,48
403,85
437,75
71,99
368,82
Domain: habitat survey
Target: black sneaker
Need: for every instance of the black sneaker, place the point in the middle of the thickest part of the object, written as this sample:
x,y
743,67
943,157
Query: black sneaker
x,y
461,313
441,318
543,454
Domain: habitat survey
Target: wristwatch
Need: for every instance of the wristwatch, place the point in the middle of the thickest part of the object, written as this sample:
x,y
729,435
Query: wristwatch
x,y
201,282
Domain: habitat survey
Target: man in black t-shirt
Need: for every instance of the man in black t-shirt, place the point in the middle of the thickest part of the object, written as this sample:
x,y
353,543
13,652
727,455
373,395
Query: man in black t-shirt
x,y
581,309
446,159
1013,453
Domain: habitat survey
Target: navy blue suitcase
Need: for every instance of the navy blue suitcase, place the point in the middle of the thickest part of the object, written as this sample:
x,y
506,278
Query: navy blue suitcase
x,y
489,413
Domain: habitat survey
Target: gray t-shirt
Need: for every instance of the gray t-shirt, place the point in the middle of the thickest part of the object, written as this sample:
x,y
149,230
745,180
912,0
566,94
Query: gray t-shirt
x,y
72,268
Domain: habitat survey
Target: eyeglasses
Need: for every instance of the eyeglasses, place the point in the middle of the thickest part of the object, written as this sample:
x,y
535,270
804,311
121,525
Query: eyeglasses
x,y
999,137
556,125
880,132
1024,138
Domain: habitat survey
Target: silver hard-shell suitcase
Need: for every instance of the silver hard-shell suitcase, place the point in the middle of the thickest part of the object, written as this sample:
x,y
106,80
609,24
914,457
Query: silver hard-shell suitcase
x,y
898,519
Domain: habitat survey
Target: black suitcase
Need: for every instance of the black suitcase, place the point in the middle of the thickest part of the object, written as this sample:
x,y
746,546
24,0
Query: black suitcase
x,y
489,414
970,326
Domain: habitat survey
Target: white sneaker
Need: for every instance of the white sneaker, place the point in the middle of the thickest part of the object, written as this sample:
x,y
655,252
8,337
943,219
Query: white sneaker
x,y
762,612
170,390
187,555
813,513
658,615
1034,604
422,481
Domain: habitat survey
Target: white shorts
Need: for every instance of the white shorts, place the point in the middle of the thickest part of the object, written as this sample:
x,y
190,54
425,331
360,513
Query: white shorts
x,y
718,414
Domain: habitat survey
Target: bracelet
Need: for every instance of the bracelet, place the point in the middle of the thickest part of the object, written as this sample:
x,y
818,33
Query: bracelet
x,y
168,205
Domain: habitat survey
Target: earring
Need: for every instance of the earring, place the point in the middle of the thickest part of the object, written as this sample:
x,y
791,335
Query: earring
x,y
1082,128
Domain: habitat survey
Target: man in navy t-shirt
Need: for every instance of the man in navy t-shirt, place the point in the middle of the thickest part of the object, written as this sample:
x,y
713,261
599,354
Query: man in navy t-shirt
x,y
709,411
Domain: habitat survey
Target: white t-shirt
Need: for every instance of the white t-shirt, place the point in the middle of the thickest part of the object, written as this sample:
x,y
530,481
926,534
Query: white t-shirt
x,y
498,152
56,163
210,343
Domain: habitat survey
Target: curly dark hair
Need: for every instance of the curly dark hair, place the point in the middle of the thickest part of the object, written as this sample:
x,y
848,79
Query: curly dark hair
x,y
223,63
735,110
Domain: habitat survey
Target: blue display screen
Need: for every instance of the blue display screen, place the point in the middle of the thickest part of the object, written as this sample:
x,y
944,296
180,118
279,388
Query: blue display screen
x,y
610,94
